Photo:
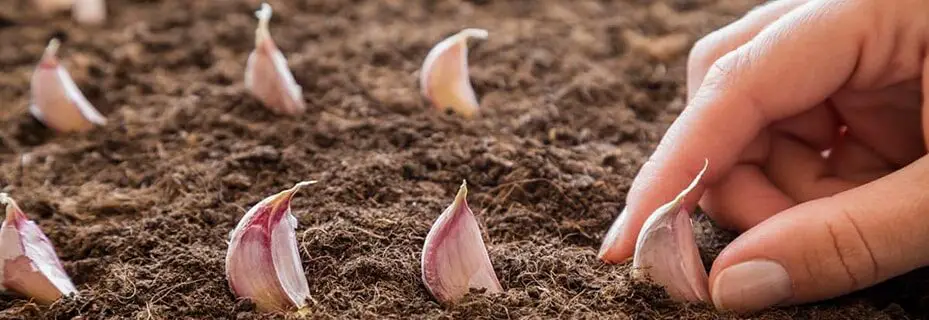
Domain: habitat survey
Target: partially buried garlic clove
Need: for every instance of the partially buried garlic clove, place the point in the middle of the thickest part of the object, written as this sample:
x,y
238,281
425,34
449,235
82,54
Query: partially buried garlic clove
x,y
454,258
56,100
262,262
666,250
444,78
267,75
28,263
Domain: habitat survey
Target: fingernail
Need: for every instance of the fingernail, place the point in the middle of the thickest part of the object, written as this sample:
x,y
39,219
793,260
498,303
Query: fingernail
x,y
752,286
611,236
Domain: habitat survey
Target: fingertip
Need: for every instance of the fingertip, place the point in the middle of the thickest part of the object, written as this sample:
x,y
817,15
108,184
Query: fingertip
x,y
752,286
613,250
748,275
826,247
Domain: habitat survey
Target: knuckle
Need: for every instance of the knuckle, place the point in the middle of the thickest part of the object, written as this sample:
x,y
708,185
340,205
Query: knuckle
x,y
724,73
717,76
704,52
730,63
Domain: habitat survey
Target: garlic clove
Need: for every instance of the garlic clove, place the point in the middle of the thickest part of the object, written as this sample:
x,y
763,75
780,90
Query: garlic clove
x,y
444,78
666,251
267,75
56,100
262,263
90,12
52,6
454,258
28,263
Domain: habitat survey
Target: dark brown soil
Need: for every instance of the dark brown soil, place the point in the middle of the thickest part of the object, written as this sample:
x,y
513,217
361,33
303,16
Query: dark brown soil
x,y
575,95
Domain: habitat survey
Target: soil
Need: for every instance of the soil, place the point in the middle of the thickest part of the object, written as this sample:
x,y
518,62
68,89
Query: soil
x,y
575,94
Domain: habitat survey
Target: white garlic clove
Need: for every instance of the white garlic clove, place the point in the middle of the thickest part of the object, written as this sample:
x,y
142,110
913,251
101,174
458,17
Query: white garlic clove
x,y
454,258
666,251
267,75
90,12
28,263
263,263
444,78
56,100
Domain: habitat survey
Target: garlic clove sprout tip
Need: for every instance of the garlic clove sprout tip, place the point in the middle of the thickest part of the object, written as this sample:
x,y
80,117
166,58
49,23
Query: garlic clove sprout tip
x,y
262,33
462,190
264,13
475,33
302,184
52,48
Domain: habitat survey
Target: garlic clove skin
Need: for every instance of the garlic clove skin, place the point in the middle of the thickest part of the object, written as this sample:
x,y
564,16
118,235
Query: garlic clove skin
x,y
52,6
666,251
262,262
454,258
28,263
89,12
56,100
267,75
444,78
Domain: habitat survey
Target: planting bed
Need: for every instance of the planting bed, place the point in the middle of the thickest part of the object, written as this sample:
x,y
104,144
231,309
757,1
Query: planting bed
x,y
575,94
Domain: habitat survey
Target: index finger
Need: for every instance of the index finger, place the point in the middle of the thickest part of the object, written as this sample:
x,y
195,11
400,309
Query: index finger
x,y
791,66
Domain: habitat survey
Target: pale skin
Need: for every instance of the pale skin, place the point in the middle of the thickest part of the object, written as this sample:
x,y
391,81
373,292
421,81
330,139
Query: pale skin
x,y
767,95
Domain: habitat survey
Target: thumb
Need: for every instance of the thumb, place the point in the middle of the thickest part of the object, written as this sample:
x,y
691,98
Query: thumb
x,y
830,246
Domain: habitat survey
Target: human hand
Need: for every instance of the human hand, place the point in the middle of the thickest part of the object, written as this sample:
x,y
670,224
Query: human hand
x,y
768,95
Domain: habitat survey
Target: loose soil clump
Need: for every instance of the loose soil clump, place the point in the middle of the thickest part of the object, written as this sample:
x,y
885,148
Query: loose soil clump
x,y
575,95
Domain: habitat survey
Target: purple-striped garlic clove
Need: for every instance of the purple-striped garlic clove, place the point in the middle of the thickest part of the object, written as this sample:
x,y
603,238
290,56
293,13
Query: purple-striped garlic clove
x,y
263,263
454,258
56,100
52,6
28,263
89,12
267,75
444,78
666,251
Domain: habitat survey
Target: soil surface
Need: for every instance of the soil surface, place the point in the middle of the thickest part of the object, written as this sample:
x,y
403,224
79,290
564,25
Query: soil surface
x,y
575,94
